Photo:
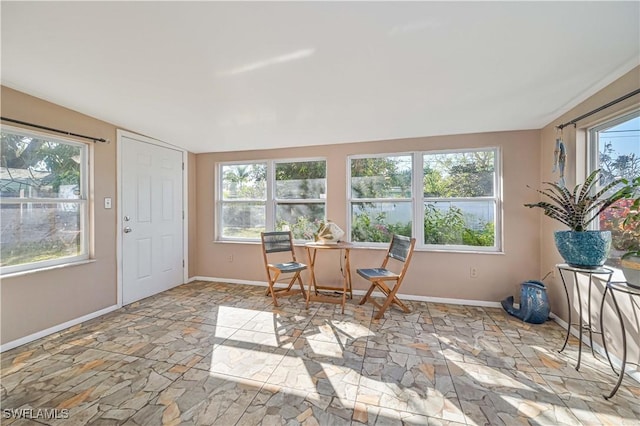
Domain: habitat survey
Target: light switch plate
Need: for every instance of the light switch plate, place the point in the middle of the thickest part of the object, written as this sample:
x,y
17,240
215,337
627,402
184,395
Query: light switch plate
x,y
107,203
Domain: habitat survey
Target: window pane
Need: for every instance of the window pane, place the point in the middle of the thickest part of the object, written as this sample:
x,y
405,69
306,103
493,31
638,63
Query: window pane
x,y
244,182
459,174
381,177
470,223
302,219
619,157
376,222
39,168
301,180
34,232
244,220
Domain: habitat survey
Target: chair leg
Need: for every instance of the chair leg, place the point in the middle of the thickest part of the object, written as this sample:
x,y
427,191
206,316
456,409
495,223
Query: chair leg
x,y
391,298
304,294
272,290
366,296
273,294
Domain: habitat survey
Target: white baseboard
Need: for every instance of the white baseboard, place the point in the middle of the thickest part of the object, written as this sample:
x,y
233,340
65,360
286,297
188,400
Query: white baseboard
x,y
30,338
229,280
376,294
630,369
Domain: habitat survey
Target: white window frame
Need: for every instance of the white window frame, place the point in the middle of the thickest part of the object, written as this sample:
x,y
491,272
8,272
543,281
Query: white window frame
x,y
271,202
351,199
279,201
496,198
593,152
82,201
418,200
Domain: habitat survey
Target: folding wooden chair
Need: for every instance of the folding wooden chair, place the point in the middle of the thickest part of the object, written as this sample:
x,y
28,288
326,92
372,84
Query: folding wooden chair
x,y
281,242
400,250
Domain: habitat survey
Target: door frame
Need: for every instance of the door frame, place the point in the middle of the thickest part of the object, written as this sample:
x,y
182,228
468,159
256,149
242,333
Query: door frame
x,y
185,204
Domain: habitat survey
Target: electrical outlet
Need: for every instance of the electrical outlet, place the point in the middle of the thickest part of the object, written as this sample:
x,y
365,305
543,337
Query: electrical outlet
x,y
473,272
230,258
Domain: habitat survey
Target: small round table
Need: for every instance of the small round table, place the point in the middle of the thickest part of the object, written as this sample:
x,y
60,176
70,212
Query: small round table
x,y
623,288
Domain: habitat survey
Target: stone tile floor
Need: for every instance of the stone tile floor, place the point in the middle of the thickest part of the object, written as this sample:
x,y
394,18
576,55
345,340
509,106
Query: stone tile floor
x,y
222,354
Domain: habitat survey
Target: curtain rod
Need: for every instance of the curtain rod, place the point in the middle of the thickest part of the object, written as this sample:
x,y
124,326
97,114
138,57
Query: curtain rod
x,y
37,126
620,99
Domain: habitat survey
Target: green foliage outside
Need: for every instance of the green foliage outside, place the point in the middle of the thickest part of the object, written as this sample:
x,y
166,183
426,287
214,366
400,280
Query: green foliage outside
x,y
304,228
446,177
365,228
450,227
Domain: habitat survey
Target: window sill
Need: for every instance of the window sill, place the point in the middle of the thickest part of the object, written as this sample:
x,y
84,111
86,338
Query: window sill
x,y
47,268
384,246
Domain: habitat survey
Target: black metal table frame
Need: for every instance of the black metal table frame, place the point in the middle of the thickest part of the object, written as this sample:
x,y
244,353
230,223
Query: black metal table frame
x,y
581,326
622,287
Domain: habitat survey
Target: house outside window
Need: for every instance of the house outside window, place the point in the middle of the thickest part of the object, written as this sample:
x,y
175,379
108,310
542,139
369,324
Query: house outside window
x,y
614,148
43,200
454,196
271,195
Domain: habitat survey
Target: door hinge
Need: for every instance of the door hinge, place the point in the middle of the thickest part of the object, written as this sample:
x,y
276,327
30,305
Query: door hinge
x,y
182,214
183,166
183,263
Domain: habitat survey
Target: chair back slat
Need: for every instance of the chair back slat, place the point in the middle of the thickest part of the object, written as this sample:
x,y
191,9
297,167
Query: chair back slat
x,y
400,248
276,241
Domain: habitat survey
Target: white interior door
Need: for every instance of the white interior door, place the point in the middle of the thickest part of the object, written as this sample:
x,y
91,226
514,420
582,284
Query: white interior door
x,y
152,219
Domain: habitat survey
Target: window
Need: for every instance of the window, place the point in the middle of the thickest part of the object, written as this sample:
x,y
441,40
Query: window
x,y
457,199
460,199
381,198
43,200
301,189
614,147
272,195
244,200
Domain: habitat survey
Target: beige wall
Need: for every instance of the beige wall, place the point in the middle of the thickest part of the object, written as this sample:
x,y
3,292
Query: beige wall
x,y
433,274
575,143
35,302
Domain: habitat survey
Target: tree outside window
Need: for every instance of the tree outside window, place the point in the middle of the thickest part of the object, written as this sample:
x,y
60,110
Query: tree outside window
x,y
43,202
459,198
272,195
381,203
615,148
456,198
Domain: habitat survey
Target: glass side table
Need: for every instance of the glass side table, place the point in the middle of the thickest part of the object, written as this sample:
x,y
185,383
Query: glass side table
x,y
566,269
623,288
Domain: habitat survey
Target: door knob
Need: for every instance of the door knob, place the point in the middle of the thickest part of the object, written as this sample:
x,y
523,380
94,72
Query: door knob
x,y
127,230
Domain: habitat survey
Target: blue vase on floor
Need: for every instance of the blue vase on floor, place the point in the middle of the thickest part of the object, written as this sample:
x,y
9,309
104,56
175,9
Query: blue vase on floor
x,y
534,303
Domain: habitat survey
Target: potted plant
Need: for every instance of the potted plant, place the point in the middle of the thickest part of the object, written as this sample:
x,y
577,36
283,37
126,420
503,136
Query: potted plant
x,y
630,261
580,247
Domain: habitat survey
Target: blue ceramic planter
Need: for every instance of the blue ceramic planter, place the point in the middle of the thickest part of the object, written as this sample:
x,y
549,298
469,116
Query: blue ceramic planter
x,y
586,249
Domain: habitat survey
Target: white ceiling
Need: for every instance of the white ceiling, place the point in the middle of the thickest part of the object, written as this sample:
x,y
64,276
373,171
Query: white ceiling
x,y
213,76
